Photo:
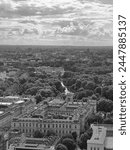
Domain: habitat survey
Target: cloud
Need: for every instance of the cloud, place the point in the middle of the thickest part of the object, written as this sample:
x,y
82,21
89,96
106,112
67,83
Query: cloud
x,y
84,20
31,31
28,22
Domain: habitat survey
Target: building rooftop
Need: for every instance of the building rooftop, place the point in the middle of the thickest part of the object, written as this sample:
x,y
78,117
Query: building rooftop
x,y
35,143
99,134
56,101
109,143
1,112
5,103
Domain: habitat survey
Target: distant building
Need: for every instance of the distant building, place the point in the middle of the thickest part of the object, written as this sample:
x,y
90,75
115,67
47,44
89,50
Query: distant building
x,y
99,139
3,75
50,70
13,106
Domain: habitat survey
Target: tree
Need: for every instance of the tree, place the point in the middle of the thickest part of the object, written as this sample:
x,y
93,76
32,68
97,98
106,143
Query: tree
x,y
93,118
58,86
79,95
61,147
1,92
84,83
94,97
109,93
38,134
88,93
64,137
69,143
105,105
67,74
98,90
46,92
32,91
1,63
70,81
96,79
74,134
78,83
67,136
90,132
38,98
22,80
108,121
90,86
84,99
50,133
83,140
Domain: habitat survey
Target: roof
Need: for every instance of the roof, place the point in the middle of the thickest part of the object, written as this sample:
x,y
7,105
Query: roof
x,y
99,134
15,97
56,101
1,112
109,143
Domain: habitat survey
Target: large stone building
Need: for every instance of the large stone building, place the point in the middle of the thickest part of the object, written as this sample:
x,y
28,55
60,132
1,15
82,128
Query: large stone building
x,y
13,106
102,139
60,116
24,143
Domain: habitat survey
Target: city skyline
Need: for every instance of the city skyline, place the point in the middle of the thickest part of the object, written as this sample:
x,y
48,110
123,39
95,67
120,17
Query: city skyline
x,y
56,22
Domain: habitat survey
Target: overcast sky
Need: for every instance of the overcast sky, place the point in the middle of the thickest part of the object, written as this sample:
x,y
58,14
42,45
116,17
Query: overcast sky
x,y
56,22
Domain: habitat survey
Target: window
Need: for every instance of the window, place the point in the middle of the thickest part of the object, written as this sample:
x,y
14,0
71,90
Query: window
x,y
67,126
94,148
91,148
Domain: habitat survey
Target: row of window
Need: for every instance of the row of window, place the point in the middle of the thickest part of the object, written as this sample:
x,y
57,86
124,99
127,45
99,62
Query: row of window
x,y
61,113
94,148
45,131
45,125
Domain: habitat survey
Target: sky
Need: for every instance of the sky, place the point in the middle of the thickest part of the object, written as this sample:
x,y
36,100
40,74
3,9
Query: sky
x,y
56,22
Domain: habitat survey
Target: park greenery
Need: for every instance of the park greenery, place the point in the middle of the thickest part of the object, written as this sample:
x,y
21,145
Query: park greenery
x,y
87,74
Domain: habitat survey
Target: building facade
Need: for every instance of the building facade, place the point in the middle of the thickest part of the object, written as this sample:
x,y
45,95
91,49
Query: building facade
x,y
14,108
57,115
100,140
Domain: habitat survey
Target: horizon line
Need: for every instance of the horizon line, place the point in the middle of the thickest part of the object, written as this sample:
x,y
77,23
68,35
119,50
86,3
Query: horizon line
x,y
57,45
